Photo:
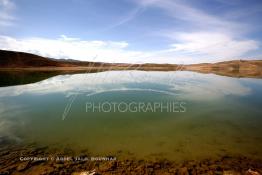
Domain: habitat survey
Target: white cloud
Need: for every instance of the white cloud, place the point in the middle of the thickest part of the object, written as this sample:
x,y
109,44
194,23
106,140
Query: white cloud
x,y
190,48
196,86
72,48
214,45
205,37
196,17
85,50
6,17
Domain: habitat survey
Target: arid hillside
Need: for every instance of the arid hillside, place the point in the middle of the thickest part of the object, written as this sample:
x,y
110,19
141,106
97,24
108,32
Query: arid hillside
x,y
11,60
235,68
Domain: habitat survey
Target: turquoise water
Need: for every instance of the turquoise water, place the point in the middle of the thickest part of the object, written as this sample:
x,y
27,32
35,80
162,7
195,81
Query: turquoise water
x,y
211,116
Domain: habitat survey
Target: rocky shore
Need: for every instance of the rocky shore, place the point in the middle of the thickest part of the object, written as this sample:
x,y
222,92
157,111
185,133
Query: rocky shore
x,y
19,160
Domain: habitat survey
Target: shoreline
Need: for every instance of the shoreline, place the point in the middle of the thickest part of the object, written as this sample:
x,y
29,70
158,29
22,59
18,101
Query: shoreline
x,y
241,73
21,76
11,163
98,68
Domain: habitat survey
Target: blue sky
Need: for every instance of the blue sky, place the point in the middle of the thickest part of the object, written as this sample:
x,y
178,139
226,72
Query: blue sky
x,y
161,31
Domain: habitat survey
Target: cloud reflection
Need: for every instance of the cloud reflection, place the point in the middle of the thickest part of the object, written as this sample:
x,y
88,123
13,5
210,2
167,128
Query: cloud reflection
x,y
190,85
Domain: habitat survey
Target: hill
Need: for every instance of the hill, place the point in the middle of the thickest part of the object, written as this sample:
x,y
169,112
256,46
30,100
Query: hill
x,y
234,68
11,60
20,59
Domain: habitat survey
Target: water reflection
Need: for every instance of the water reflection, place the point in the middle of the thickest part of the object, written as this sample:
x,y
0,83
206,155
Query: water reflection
x,y
191,85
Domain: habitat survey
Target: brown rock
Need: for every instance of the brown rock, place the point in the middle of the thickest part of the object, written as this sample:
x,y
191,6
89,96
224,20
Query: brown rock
x,y
22,166
108,166
183,171
229,172
252,172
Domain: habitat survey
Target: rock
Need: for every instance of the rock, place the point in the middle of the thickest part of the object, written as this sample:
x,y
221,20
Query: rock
x,y
22,166
5,173
183,171
192,171
140,168
157,166
58,166
218,172
252,172
150,170
108,166
3,153
230,172
165,173
93,172
47,170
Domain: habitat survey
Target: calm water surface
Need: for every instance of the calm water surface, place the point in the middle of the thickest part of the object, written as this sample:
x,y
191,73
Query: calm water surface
x,y
222,115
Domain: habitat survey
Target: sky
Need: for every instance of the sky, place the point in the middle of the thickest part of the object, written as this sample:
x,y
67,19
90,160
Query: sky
x,y
134,31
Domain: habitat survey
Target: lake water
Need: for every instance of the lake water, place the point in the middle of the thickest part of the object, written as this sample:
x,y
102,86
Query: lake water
x,y
173,115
